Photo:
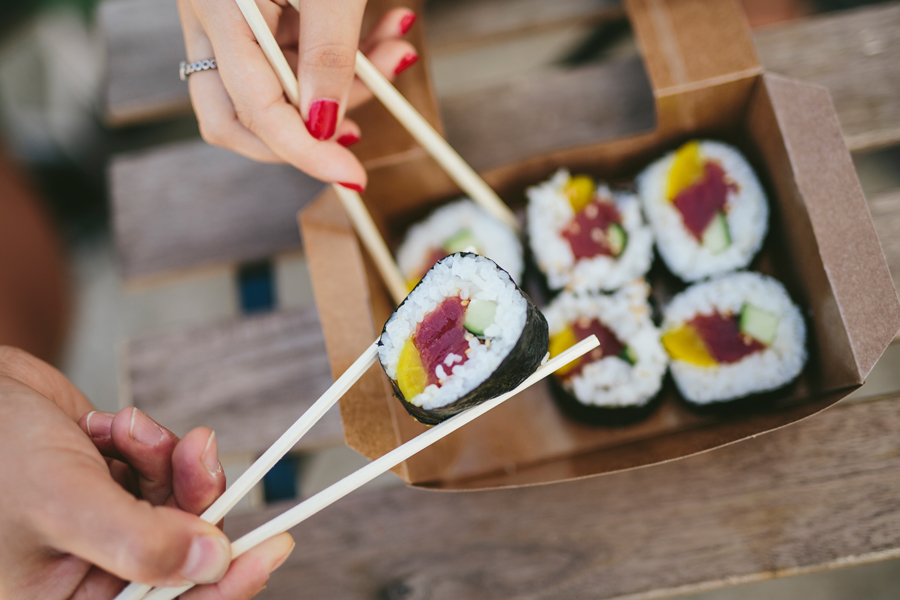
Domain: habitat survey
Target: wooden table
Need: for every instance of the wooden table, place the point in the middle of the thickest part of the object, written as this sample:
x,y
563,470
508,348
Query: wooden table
x,y
822,493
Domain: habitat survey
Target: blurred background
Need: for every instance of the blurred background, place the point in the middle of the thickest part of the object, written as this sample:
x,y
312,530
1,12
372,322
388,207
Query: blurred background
x,y
61,291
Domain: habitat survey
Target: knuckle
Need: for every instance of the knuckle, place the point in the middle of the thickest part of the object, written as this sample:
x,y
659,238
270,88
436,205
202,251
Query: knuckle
x,y
331,56
211,134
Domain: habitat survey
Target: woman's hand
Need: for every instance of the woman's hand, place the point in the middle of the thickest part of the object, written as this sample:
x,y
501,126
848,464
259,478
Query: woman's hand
x,y
90,499
241,106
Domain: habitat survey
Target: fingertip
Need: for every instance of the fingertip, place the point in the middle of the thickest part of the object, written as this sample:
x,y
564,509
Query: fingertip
x,y
406,22
198,477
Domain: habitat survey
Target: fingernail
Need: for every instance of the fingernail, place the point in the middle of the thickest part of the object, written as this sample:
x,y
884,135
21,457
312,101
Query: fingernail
x,y
352,186
210,456
406,62
407,22
143,430
99,424
207,560
322,119
348,139
281,560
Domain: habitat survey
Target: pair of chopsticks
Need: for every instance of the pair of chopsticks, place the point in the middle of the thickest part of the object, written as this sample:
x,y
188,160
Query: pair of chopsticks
x,y
365,227
458,170
335,492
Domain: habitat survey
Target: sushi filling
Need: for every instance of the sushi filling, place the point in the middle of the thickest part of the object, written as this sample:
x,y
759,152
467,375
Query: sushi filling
x,y
715,339
610,345
442,340
597,228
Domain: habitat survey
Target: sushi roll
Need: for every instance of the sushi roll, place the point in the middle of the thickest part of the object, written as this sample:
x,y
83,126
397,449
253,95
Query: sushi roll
x,y
707,209
455,227
616,382
585,237
465,334
733,336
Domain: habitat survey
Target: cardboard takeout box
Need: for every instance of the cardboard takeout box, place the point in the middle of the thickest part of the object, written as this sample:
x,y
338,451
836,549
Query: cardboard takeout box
x,y
821,244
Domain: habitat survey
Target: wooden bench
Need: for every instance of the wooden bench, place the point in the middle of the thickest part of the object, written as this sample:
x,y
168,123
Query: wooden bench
x,y
817,494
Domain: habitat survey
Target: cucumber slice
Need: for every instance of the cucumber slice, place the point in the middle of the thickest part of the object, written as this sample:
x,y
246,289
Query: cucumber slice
x,y
629,355
460,241
618,238
759,324
479,316
717,237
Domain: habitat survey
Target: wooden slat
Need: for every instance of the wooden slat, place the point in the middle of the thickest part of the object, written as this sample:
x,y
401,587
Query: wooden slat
x,y
455,24
144,43
817,494
248,380
856,55
192,204
214,222
144,47
885,208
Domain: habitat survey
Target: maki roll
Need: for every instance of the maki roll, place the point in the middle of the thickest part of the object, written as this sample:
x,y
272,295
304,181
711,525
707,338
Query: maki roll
x,y
585,237
733,336
464,335
616,382
707,209
459,226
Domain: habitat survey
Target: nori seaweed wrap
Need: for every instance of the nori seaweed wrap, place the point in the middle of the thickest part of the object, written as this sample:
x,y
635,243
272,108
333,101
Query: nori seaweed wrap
x,y
464,335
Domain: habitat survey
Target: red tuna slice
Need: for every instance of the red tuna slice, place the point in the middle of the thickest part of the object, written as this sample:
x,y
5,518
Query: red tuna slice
x,y
440,334
721,334
586,233
699,203
610,344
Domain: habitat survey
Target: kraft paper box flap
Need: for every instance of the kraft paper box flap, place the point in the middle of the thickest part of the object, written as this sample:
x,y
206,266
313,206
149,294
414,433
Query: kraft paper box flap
x,y
779,124
845,240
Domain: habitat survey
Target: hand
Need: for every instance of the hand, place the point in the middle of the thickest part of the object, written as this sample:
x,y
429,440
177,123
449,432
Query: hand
x,y
241,105
91,499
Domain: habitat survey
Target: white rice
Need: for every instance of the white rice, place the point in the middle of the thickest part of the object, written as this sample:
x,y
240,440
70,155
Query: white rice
x,y
549,213
611,381
747,215
494,238
761,371
469,277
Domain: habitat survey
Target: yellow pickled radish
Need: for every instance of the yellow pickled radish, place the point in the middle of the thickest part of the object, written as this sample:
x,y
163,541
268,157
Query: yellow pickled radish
x,y
687,169
411,283
684,343
580,190
411,376
561,342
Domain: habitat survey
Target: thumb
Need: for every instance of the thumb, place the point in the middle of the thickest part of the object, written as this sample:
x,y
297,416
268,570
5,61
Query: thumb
x,y
101,523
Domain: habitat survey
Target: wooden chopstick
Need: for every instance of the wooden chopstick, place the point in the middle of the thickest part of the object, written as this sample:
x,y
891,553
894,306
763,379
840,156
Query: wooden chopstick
x,y
454,165
352,202
329,495
243,484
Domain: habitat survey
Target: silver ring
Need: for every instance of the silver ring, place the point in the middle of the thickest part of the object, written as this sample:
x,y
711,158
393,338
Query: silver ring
x,y
187,68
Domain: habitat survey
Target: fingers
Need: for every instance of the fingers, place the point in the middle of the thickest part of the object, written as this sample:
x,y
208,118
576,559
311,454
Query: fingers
x,y
218,121
197,477
103,524
329,38
248,573
147,447
391,57
219,125
260,103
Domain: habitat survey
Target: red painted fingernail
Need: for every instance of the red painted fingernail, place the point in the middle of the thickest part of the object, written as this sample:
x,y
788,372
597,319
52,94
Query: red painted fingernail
x,y
348,139
353,186
407,22
322,119
406,62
